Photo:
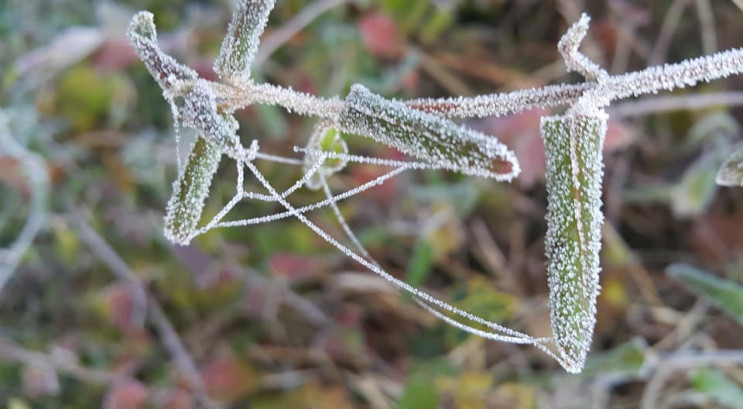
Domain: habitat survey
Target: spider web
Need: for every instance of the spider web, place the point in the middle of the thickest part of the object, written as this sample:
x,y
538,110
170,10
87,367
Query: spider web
x,y
355,250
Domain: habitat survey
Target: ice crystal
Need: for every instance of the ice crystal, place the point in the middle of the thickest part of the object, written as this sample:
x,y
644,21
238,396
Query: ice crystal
x,y
573,147
422,129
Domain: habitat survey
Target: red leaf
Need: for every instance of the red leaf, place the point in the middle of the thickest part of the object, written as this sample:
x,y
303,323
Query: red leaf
x,y
227,379
120,302
379,35
294,267
126,395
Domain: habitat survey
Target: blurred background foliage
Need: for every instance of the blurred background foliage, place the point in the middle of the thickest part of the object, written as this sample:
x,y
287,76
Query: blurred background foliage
x,y
271,316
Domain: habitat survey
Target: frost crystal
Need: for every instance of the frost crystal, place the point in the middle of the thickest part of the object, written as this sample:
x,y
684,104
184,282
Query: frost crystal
x,y
573,146
426,136
241,42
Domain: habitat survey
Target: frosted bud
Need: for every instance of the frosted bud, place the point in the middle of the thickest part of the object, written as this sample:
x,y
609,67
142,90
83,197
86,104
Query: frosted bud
x,y
190,191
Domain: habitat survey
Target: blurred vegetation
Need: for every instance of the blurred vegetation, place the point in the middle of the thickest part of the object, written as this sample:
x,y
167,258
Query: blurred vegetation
x,y
271,315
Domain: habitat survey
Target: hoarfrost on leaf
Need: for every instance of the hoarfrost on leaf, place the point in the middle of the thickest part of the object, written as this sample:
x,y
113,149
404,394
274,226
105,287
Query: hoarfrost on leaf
x,y
239,46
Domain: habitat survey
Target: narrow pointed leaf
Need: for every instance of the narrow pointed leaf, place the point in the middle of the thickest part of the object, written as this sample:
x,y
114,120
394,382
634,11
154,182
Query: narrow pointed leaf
x,y
241,42
725,294
731,172
714,384
573,145
426,136
190,191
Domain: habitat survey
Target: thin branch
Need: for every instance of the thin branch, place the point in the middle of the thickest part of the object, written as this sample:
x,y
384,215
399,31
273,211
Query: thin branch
x,y
654,105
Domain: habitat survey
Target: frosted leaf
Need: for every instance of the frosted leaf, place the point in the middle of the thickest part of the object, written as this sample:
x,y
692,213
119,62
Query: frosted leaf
x,y
190,191
168,73
426,136
324,139
573,146
199,111
241,42
731,172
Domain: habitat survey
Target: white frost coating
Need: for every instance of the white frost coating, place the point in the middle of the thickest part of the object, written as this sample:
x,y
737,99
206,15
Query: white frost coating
x,y
239,46
169,74
190,191
573,146
574,60
426,136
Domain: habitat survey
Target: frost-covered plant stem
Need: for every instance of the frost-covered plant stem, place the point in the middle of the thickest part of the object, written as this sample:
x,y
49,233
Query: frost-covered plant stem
x,y
422,129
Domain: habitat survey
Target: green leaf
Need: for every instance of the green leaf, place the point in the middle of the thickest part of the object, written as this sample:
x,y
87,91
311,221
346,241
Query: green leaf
x,y
419,393
420,263
725,294
190,191
573,146
731,172
715,385
425,136
694,193
626,358
241,42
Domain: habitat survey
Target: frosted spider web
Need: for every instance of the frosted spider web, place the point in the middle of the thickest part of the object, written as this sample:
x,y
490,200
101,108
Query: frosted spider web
x,y
421,130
